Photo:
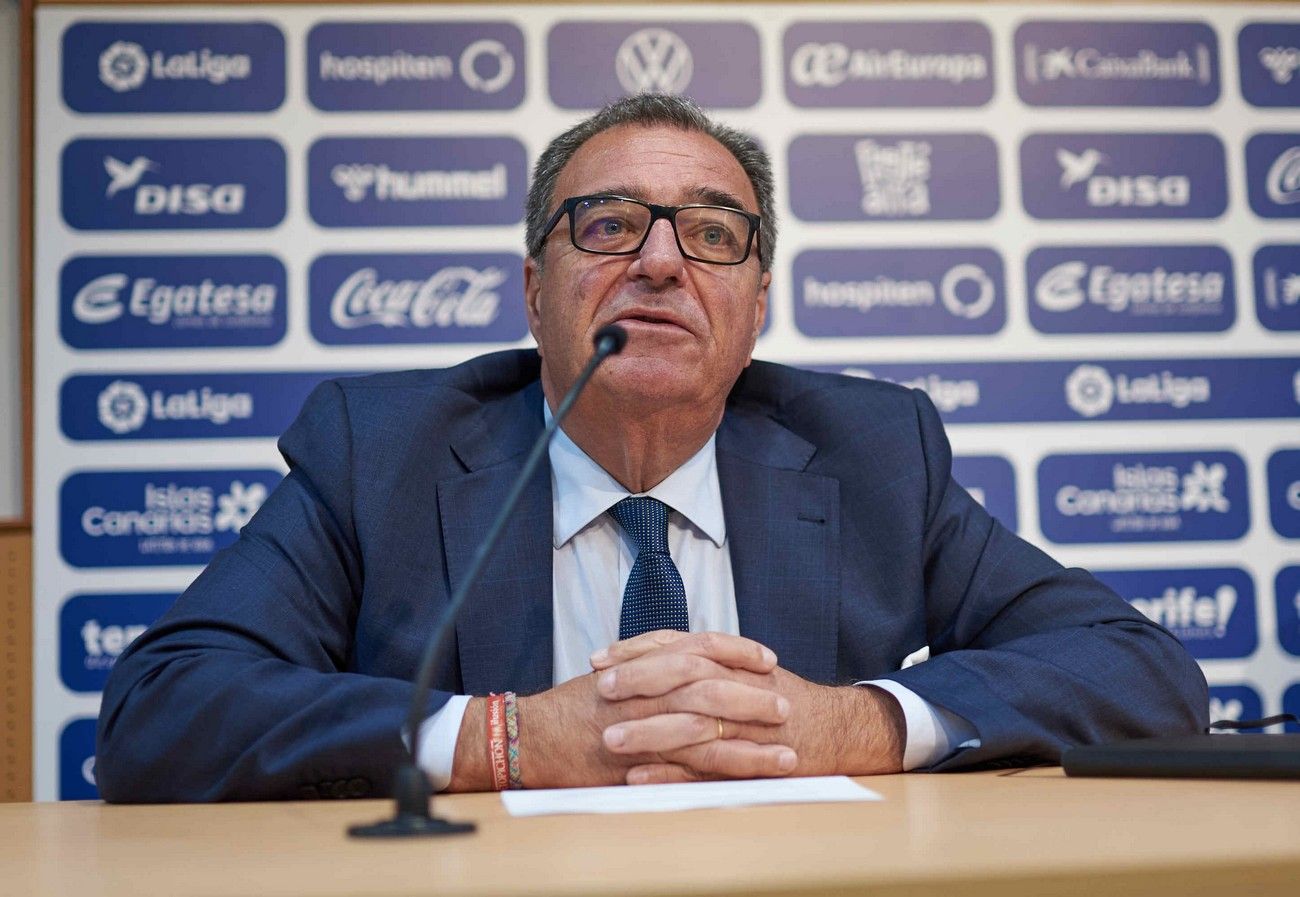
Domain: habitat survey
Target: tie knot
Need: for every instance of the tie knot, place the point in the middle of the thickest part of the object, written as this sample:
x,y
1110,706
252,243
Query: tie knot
x,y
645,520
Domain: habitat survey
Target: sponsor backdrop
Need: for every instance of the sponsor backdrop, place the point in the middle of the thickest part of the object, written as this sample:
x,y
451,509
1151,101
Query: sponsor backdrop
x,y
1074,227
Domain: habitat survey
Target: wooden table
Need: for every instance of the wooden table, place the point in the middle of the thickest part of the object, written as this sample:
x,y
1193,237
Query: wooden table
x,y
1033,832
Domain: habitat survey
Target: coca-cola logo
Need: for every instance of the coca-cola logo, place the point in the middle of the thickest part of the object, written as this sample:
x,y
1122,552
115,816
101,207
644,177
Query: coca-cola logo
x,y
458,296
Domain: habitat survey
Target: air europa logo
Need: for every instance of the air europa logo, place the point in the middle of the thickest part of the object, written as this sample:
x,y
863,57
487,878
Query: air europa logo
x,y
181,183
1284,492
716,62
1273,175
1123,175
171,301
1143,497
135,66
77,761
1211,610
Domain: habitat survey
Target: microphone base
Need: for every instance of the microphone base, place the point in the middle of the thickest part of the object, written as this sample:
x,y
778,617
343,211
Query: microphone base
x,y
408,826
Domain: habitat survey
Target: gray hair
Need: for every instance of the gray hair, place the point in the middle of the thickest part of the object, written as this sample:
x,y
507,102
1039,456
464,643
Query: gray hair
x,y
650,109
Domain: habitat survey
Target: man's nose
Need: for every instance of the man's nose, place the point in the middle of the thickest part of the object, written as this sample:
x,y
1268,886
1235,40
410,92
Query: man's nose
x,y
659,261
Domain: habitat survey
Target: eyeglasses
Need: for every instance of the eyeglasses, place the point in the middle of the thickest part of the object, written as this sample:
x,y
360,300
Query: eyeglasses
x,y
616,225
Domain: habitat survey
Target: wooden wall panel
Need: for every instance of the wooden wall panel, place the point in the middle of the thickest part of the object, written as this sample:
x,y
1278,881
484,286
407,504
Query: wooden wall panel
x,y
15,665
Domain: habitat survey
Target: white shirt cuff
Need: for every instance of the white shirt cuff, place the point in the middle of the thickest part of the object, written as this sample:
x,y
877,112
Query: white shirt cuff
x,y
933,733
438,736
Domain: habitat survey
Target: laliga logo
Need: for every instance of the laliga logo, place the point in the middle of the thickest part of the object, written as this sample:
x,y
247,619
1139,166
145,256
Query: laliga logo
x,y
1089,390
354,180
123,66
1283,182
1144,190
654,60
123,407
496,50
959,274
1281,62
176,199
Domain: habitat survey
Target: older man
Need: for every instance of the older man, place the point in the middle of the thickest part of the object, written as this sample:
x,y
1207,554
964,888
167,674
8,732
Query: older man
x,y
721,574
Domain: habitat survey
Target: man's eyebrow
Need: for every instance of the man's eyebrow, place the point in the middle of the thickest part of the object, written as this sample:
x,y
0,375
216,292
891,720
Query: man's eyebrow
x,y
706,195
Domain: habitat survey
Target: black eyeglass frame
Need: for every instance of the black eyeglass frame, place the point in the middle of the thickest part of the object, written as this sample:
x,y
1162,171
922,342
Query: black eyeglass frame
x,y
656,212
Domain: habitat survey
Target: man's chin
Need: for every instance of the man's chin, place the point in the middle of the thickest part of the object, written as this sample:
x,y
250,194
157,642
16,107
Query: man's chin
x,y
639,379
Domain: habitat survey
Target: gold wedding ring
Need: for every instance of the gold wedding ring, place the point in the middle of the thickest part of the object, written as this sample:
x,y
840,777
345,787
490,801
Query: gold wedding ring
x,y
719,728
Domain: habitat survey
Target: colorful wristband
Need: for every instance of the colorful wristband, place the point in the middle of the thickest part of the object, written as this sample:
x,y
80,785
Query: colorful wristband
x,y
497,742
512,740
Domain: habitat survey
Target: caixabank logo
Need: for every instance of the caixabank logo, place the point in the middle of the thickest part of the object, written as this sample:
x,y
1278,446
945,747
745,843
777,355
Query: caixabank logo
x,y
1269,56
362,66
1286,594
1284,490
114,518
991,481
1211,610
416,181
1130,289
1273,175
716,63
417,298
135,66
94,630
177,183
856,64
894,177
1235,703
1132,63
183,405
1277,286
172,301
898,292
1143,497
77,760
1104,175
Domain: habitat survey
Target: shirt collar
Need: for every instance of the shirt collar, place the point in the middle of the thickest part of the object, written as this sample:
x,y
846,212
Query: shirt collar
x,y
584,490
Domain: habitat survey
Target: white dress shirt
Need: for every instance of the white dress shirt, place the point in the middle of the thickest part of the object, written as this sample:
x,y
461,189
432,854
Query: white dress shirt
x,y
591,563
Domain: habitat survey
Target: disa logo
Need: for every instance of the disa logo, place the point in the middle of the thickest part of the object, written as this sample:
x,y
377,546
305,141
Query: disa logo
x,y
1123,190
176,199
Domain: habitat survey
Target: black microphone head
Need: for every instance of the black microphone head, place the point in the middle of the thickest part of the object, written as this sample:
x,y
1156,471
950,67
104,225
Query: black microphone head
x,y
610,339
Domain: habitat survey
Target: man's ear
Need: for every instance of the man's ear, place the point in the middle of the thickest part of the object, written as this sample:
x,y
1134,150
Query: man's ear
x,y
760,313
532,299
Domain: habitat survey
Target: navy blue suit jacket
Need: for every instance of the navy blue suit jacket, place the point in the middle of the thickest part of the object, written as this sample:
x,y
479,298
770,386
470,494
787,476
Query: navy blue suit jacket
x,y
284,670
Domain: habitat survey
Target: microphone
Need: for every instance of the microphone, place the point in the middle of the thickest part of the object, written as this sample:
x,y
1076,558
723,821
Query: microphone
x,y
411,792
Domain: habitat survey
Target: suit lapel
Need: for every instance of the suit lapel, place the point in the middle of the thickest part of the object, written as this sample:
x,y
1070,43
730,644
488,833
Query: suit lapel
x,y
503,632
783,534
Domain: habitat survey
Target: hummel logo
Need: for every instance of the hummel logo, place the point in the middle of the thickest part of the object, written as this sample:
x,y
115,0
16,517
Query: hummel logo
x,y
123,176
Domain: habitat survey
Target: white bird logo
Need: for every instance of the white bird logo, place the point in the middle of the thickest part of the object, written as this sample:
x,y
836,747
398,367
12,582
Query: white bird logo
x,y
1077,168
123,176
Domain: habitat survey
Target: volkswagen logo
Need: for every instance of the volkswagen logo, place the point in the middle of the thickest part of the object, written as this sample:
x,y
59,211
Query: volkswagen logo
x,y
654,60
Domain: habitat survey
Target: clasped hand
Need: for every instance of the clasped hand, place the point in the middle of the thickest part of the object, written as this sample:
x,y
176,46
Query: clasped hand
x,y
669,706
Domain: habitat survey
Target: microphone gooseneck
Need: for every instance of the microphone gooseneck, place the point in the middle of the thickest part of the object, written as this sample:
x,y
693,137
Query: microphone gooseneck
x,y
411,792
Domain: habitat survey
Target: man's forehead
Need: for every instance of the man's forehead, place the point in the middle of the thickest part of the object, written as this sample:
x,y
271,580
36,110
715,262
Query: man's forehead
x,y
658,164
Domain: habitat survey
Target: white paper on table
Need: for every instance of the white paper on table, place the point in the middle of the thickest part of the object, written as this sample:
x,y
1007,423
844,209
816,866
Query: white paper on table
x,y
687,796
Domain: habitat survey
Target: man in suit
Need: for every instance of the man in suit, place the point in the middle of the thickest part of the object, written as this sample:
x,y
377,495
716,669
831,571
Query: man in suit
x,y
803,527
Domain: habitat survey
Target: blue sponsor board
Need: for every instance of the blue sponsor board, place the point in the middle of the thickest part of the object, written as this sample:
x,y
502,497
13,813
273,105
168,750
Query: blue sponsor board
x,y
1102,175
1277,286
1273,175
1235,703
416,181
184,405
1130,289
1286,593
156,517
894,177
177,183
1129,63
1143,497
432,297
172,301
591,63
1269,56
115,67
364,66
1210,610
77,761
856,64
1291,705
899,292
1284,491
991,481
94,630
1127,389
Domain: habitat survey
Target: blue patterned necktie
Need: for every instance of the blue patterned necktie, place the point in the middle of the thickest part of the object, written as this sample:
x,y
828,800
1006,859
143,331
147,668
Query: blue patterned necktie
x,y
654,597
